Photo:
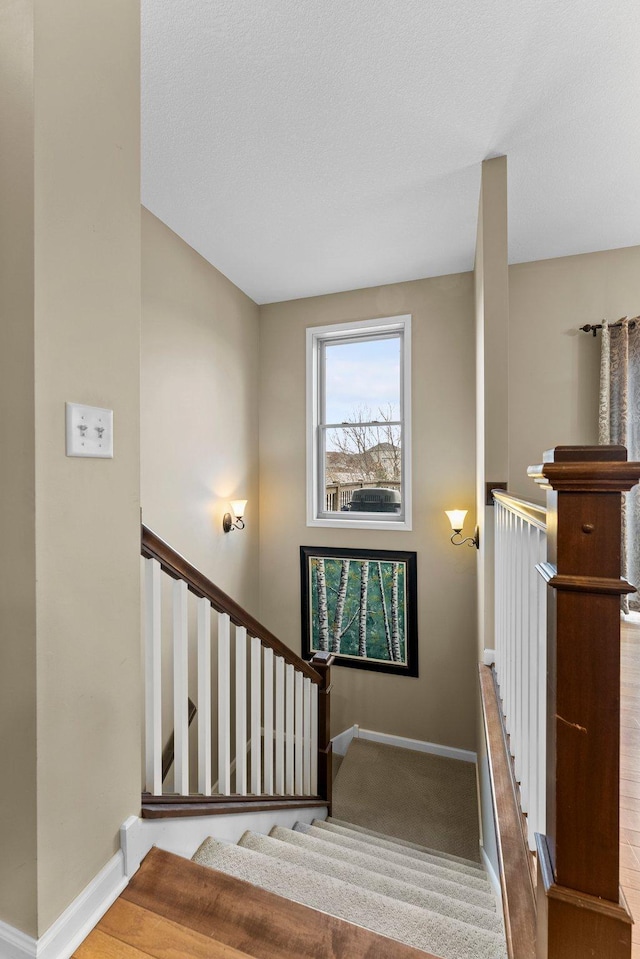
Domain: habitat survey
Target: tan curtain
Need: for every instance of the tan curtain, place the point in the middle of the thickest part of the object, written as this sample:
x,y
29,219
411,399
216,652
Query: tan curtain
x,y
619,423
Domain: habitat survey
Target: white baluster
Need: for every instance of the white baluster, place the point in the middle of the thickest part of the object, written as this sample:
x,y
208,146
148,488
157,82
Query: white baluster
x,y
498,586
153,677
306,742
241,710
299,733
542,694
267,723
314,739
533,815
180,688
289,730
527,566
256,708
204,696
224,705
279,724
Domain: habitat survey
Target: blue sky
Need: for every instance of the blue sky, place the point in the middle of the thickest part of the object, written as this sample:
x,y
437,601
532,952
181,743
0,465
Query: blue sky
x,y
362,374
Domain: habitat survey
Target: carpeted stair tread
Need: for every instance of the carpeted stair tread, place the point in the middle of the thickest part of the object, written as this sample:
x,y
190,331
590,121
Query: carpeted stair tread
x,y
381,852
405,842
384,842
368,860
402,890
440,935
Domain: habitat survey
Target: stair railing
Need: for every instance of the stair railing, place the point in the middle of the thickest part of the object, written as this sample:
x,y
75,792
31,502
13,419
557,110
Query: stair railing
x,y
521,646
262,711
578,908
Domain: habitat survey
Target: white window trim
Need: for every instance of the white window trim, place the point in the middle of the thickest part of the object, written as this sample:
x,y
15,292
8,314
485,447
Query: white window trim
x,y
315,334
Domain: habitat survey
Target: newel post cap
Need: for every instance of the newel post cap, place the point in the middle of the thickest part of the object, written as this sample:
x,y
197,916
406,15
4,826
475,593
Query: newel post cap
x,y
588,469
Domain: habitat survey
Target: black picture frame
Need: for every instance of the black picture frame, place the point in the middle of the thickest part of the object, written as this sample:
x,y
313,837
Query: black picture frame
x,y
389,631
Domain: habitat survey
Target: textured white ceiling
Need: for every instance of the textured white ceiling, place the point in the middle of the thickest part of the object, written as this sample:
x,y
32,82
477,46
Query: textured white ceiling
x,y
311,146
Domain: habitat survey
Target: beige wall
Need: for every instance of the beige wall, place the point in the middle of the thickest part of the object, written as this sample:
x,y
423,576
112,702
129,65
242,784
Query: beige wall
x,y
76,337
439,705
199,417
17,475
553,368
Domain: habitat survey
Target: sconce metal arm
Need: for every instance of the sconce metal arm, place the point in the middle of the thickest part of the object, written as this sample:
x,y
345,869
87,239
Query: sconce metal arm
x,y
228,524
469,540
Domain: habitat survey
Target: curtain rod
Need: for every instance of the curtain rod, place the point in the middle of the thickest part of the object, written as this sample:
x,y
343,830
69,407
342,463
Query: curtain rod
x,y
594,327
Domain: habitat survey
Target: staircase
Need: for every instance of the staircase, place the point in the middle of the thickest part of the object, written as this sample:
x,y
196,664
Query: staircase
x,y
432,901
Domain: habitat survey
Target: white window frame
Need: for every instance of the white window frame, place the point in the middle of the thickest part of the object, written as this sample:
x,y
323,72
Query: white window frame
x,y
316,336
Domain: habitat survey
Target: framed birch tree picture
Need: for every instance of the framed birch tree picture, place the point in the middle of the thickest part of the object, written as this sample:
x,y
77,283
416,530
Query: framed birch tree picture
x,y
361,605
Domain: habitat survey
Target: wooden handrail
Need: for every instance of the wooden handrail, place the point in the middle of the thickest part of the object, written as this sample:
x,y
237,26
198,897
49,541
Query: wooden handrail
x,y
176,566
532,513
518,893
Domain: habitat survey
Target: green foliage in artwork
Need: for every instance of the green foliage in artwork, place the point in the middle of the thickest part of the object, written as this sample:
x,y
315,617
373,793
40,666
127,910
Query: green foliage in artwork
x,y
379,596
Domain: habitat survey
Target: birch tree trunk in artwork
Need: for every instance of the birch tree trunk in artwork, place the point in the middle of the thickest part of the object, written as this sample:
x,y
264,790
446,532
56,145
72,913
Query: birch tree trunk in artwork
x,y
323,619
395,622
362,625
336,630
387,631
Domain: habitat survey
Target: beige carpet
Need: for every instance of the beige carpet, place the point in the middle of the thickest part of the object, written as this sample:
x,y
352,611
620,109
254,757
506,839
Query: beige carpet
x,y
411,795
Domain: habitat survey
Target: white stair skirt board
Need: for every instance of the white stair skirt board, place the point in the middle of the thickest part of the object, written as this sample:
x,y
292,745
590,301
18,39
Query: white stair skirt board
x,y
65,935
183,836
494,879
489,657
342,741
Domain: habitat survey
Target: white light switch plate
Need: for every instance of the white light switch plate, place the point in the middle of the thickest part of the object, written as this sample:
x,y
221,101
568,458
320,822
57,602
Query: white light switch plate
x,y
89,431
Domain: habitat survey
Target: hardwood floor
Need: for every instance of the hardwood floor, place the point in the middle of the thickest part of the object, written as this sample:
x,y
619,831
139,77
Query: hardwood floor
x,y
630,774
176,909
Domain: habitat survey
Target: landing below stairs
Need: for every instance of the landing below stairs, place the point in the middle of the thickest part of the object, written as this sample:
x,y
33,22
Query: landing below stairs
x,y
411,795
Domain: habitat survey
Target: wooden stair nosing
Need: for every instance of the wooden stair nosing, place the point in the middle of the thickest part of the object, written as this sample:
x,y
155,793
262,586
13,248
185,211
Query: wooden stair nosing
x,y
246,917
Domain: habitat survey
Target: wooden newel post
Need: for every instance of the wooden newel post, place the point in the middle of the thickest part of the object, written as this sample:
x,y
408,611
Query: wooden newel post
x,y
322,663
581,909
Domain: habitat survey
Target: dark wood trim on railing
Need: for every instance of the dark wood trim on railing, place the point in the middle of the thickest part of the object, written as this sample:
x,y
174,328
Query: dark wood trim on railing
x,y
199,806
178,567
518,893
323,661
533,513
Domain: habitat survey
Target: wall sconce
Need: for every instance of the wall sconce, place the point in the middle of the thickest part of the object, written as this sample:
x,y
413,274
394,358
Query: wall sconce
x,y
237,507
456,518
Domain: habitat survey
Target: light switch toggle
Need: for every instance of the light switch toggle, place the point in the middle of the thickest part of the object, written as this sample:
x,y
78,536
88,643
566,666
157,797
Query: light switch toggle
x,y
89,431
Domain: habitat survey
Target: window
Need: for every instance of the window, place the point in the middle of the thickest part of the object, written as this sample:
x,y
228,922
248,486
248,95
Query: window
x,y
358,423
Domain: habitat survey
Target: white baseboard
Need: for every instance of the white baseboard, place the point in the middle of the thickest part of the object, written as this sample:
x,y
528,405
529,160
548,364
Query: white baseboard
x,y
65,935
342,741
137,836
493,879
489,657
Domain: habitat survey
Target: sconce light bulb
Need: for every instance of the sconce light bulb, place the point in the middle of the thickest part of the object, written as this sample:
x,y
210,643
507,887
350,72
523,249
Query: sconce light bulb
x,y
456,518
238,507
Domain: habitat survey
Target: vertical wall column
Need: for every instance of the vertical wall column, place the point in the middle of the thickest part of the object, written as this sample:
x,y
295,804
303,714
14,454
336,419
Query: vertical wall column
x,y
69,527
491,282
580,908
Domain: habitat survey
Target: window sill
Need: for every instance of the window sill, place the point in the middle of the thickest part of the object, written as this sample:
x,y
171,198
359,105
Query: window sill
x,y
389,525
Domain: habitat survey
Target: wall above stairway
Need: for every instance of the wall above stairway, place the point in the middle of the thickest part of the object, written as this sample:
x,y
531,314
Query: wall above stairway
x,y
438,706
